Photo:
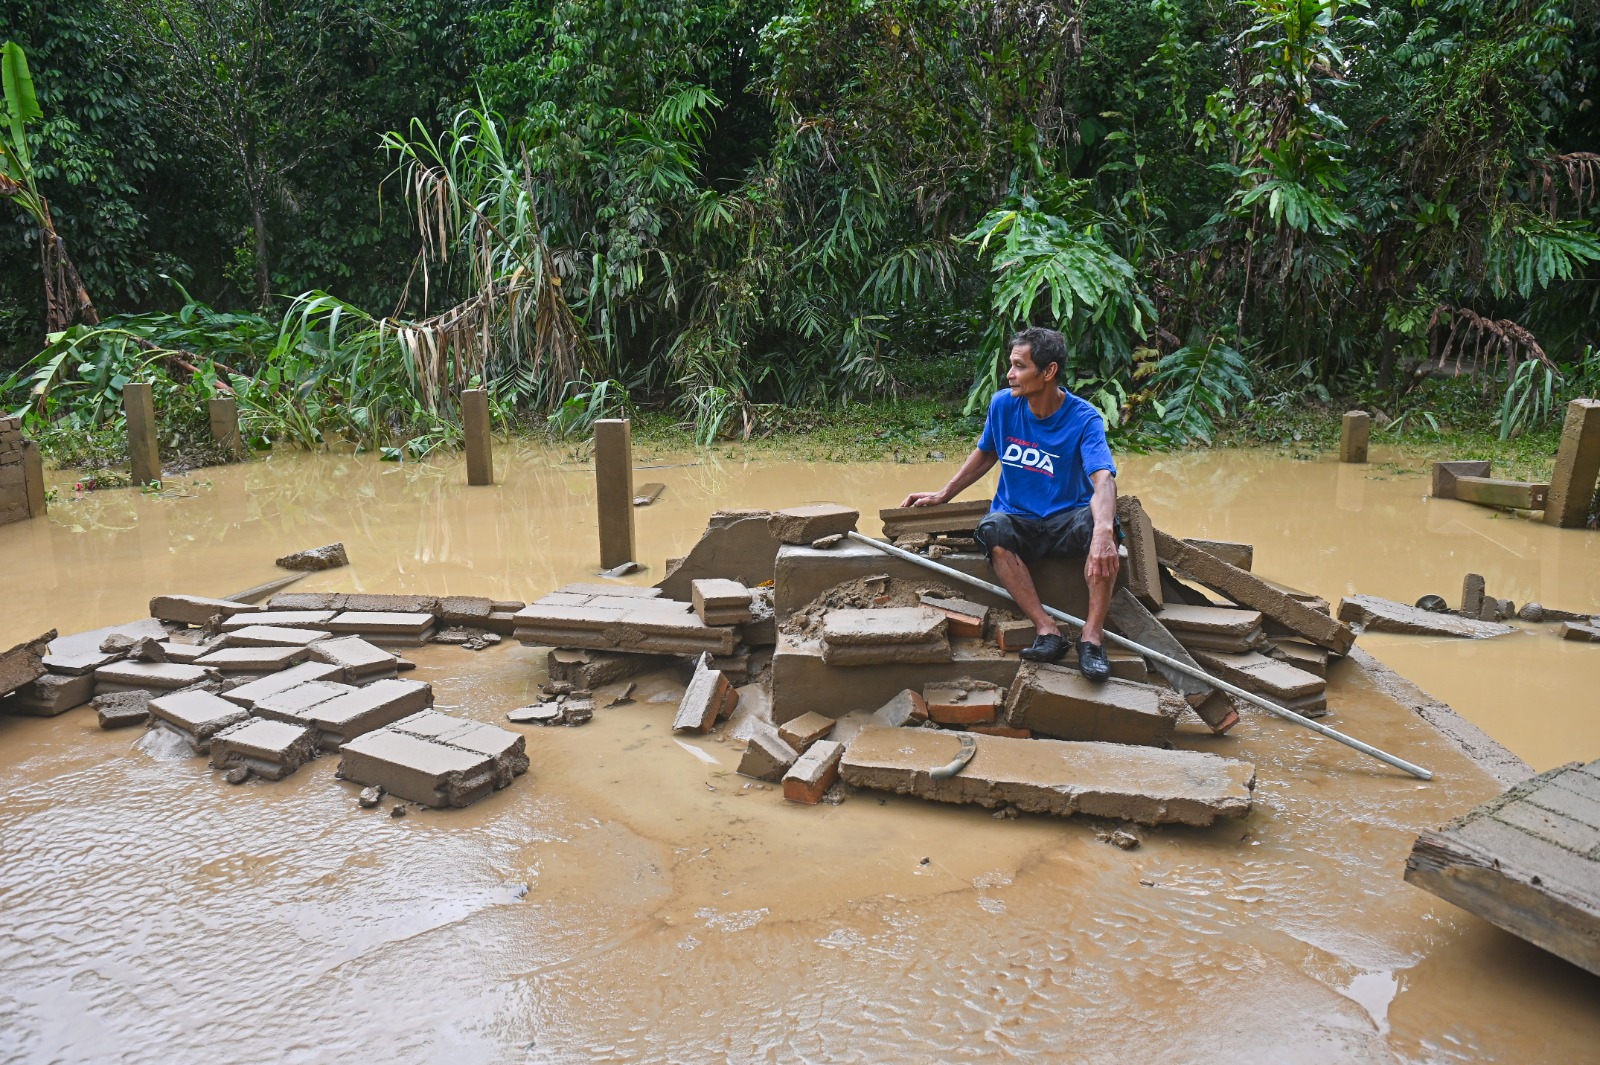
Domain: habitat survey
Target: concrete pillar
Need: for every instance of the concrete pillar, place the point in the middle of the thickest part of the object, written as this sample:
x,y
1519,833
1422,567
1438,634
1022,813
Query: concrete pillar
x,y
224,411
475,420
1577,466
1353,439
143,453
613,479
33,477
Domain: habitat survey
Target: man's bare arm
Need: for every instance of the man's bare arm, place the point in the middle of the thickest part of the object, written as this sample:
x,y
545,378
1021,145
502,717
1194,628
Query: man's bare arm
x,y
1103,561
978,463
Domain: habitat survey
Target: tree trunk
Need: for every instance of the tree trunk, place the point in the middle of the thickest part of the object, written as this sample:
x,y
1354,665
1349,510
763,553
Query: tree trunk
x,y
258,219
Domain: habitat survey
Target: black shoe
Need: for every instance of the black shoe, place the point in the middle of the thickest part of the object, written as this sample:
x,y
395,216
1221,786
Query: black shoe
x,y
1046,647
1092,661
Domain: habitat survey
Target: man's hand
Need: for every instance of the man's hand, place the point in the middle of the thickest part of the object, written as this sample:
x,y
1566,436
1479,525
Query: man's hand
x,y
1103,561
925,499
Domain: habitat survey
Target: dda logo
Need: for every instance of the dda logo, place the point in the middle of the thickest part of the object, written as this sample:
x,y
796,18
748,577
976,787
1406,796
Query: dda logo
x,y
1029,458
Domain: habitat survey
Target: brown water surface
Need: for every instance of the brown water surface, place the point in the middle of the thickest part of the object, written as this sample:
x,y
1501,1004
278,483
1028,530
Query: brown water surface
x,y
633,899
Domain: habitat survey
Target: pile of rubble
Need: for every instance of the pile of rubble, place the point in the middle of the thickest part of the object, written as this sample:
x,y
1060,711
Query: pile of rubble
x,y
1480,615
263,690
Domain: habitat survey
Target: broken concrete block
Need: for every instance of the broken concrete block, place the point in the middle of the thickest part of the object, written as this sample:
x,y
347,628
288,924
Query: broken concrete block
x,y
1472,595
1203,641
651,626
1248,590
359,660
956,704
1144,576
1265,676
51,694
416,769
762,630
78,664
708,699
466,609
801,732
248,694
1583,633
188,653
272,636
271,750
907,708
1063,704
766,755
802,525
718,601
1313,660
196,716
370,603
884,635
344,717
294,619
803,681
507,750
252,659
1445,475
196,609
1142,784
1130,619
298,601
736,667
122,709
24,663
293,705
742,549
813,773
960,517
590,669
1233,553
965,618
1012,636
329,556
1385,615
407,629
164,676
590,589
645,494
1209,620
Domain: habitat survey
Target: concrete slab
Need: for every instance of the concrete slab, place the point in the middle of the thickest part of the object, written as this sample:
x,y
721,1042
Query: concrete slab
x,y
49,695
708,699
273,636
24,663
466,609
1248,590
589,669
1385,615
961,517
384,626
809,779
197,716
802,525
316,601
294,705
187,653
1230,551
248,694
646,626
766,756
356,657
507,749
1063,704
1265,676
162,676
81,663
1211,620
720,602
801,732
1313,660
1144,576
1129,618
252,659
885,625
418,770
343,718
271,750
370,603
1142,784
1577,630
197,609
742,550
300,619
592,588
802,681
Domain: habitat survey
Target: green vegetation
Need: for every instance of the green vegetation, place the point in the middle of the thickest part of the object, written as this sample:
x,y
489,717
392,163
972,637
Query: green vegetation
x,y
781,216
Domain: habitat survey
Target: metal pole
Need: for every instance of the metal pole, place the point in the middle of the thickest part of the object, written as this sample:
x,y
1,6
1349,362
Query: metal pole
x,y
1183,667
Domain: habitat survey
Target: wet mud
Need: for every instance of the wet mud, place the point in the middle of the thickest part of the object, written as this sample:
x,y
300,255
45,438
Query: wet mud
x,y
633,899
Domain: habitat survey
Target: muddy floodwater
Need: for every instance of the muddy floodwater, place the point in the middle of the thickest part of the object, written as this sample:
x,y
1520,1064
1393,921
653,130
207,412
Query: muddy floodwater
x,y
632,899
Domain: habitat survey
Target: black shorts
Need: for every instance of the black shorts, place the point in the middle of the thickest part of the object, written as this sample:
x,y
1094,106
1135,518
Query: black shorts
x,y
1064,534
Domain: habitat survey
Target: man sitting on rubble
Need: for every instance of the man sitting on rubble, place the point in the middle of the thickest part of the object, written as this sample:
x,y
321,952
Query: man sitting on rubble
x,y
1057,496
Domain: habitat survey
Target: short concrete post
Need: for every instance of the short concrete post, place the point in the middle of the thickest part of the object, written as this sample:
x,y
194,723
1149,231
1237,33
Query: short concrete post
x,y
613,479
33,477
224,411
1353,439
1577,466
475,420
143,453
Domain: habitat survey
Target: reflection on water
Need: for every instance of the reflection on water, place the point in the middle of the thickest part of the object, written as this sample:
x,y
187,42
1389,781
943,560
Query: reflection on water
x,y
633,899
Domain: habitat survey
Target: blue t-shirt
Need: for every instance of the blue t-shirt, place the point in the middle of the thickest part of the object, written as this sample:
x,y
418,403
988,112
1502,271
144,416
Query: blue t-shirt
x,y
1045,464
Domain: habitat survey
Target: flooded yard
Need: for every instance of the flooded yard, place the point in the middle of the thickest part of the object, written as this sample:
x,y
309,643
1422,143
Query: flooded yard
x,y
632,899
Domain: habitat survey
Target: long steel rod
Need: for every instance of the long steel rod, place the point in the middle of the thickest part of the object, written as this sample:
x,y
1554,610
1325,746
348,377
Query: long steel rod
x,y
1183,667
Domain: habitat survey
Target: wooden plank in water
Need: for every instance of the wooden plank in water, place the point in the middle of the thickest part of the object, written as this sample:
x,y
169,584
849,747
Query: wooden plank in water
x,y
1527,861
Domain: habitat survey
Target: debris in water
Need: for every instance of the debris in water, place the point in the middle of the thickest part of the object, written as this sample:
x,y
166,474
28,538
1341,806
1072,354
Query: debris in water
x,y
398,811
370,797
237,775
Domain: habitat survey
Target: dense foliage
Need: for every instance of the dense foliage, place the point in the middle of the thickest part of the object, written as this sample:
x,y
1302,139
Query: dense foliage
x,y
733,204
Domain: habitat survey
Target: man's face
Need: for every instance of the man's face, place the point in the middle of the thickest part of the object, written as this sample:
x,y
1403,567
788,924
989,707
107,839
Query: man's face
x,y
1024,377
